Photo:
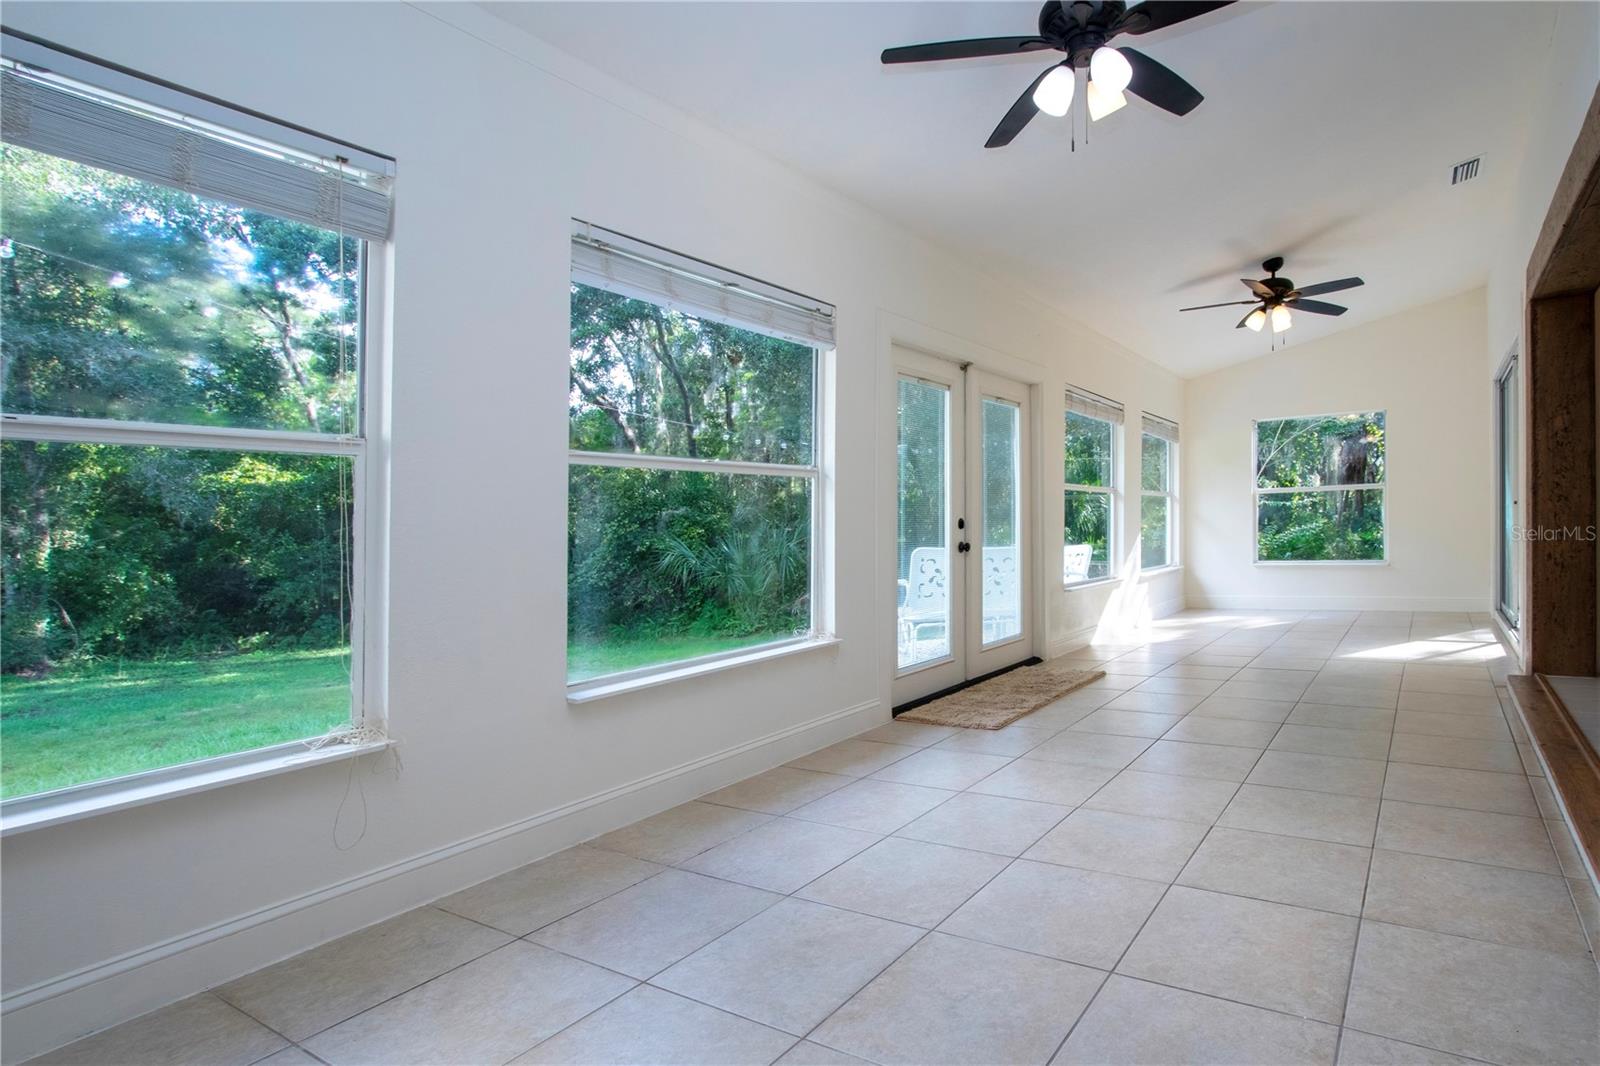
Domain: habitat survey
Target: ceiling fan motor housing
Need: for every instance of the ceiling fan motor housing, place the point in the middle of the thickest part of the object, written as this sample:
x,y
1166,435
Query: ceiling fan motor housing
x,y
1079,28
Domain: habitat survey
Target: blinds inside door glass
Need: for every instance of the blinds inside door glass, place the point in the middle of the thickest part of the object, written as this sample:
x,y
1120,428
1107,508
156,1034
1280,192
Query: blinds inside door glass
x,y
612,262
1083,402
65,118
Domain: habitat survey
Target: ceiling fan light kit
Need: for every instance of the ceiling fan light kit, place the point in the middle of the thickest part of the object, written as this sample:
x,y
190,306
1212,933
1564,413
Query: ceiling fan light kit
x,y
1081,30
1274,297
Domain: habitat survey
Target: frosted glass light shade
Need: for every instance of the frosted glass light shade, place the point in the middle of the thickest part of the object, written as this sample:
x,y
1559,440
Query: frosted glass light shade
x,y
1110,68
1103,101
1053,95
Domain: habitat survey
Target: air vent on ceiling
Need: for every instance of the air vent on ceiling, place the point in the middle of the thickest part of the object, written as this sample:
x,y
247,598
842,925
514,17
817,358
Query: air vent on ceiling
x,y
1465,171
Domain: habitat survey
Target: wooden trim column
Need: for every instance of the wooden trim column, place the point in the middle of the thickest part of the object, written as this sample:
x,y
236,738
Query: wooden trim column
x,y
1560,381
1559,618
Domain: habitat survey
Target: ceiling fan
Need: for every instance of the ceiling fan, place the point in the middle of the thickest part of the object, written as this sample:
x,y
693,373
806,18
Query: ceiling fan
x,y
1081,29
1274,296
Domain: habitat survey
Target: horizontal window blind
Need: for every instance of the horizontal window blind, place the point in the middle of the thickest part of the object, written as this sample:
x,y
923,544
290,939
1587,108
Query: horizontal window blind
x,y
73,120
618,264
1093,405
1157,426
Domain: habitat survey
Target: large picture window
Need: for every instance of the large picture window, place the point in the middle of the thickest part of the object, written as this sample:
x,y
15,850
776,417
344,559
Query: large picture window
x,y
1089,489
1158,496
692,498
1319,484
183,462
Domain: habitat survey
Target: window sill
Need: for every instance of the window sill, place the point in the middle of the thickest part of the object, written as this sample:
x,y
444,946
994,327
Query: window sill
x,y
26,814
1144,575
601,689
1321,562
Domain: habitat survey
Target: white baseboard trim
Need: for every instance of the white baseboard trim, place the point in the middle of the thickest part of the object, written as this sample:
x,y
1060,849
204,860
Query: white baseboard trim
x,y
50,1013
1469,604
1080,638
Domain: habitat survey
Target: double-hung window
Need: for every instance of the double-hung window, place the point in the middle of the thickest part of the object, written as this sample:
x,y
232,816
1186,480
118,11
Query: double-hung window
x,y
185,474
1158,493
693,498
1089,489
1319,488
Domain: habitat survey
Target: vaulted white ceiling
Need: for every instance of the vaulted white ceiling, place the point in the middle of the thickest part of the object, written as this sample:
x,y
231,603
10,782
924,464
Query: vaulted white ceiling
x,y
1327,135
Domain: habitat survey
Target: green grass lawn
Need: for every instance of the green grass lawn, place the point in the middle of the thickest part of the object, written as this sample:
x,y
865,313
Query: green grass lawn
x,y
91,723
613,655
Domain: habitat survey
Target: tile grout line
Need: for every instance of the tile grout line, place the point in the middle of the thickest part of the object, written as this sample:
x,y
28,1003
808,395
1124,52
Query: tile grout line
x,y
1138,932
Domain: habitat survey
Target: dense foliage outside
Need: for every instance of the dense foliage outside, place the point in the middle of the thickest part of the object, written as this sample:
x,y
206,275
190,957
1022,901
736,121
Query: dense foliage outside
x,y
1090,457
1343,457
1155,476
164,604
924,521
664,564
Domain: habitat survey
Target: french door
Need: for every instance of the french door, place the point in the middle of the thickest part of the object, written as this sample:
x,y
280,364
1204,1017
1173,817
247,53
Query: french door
x,y
962,537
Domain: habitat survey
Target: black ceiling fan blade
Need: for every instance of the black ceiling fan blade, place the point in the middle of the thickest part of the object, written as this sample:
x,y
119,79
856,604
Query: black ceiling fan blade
x,y
1317,307
1020,115
1230,303
1258,288
1159,14
1330,286
974,48
1157,83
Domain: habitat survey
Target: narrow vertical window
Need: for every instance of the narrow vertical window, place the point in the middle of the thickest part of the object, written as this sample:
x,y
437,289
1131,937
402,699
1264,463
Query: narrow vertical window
x,y
1089,489
1158,497
1507,423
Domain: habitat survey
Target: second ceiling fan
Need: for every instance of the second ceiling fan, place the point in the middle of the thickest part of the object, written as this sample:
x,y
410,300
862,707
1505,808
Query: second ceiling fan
x,y
1082,30
1274,296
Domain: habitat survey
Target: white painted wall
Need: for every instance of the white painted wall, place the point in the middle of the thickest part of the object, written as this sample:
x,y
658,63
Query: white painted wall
x,y
500,140
1423,368
1570,73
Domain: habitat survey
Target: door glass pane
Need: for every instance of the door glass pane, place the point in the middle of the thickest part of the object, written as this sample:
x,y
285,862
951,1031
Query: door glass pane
x,y
1086,556
1002,521
924,523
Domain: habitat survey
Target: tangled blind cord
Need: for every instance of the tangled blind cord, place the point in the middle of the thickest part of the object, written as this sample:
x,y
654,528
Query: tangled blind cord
x,y
357,735
359,732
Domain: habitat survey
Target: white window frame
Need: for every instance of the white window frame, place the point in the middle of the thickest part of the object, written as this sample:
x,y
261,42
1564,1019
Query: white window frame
x,y
1171,496
1113,496
367,450
1381,487
1507,573
816,635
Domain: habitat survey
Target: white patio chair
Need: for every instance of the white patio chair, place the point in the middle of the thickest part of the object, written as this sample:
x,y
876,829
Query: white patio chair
x,y
1075,560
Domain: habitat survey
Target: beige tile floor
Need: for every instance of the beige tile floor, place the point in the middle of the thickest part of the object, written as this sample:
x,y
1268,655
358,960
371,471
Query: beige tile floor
x,y
1306,837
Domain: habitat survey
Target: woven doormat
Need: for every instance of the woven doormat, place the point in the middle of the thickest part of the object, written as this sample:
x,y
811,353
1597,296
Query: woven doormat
x,y
1001,700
